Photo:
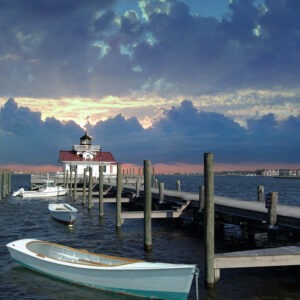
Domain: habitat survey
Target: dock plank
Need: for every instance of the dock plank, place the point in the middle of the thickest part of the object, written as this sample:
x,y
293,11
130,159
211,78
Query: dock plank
x,y
281,256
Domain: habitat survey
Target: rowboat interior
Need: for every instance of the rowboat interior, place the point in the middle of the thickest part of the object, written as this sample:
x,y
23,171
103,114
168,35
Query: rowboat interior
x,y
71,255
60,206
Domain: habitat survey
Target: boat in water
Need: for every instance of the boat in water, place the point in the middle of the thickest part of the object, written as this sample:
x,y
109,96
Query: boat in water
x,y
108,273
48,189
63,212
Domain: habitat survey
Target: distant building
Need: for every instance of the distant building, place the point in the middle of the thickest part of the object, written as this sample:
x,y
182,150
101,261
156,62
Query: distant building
x,y
267,172
87,155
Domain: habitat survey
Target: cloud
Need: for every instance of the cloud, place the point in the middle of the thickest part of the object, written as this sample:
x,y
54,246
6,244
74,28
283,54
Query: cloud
x,y
84,48
182,135
26,139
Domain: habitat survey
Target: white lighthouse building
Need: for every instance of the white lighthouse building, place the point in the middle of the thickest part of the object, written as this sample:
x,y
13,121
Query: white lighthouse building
x,y
87,155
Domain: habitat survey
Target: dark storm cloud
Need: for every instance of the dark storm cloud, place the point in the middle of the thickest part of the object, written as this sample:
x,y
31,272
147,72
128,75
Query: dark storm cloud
x,y
67,48
26,139
182,135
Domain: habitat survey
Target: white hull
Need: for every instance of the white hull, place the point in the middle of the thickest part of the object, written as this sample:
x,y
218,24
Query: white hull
x,y
43,194
63,212
139,278
48,189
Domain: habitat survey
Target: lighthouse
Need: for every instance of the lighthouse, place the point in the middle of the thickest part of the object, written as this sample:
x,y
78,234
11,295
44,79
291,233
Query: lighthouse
x,y
86,155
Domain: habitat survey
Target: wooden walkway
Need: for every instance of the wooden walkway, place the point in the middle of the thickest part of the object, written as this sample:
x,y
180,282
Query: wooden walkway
x,y
270,257
287,216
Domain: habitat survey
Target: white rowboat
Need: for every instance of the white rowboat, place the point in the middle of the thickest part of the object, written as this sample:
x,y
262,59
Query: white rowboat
x,y
114,274
48,189
63,212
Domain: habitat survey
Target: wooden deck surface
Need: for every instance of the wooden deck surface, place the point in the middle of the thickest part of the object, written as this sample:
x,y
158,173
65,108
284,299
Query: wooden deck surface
x,y
270,257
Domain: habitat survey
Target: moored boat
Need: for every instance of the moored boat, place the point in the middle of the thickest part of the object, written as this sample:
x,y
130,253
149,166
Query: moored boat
x,y
108,273
63,212
48,189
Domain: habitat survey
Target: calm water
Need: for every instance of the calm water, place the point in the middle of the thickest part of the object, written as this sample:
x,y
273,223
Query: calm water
x,y
171,243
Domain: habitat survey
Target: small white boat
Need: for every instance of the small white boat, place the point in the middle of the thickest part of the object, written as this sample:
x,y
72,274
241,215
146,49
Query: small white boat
x,y
63,212
108,273
48,189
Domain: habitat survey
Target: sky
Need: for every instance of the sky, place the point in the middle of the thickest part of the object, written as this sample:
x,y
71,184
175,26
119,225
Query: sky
x,y
164,80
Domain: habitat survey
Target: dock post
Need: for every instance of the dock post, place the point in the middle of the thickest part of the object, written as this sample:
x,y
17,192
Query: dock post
x,y
138,186
147,206
101,210
118,198
84,187
260,193
67,179
178,186
156,183
153,175
123,172
202,197
161,192
90,204
75,186
209,219
272,211
64,178
139,171
1,171
9,182
71,184
4,184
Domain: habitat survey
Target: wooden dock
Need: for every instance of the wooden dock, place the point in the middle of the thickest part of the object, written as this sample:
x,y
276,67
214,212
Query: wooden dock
x,y
270,257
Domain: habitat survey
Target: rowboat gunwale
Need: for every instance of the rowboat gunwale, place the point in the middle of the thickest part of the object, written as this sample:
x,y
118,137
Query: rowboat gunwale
x,y
129,260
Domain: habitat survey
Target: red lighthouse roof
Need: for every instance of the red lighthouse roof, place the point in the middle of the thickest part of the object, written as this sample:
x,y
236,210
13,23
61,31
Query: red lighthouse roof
x,y
99,157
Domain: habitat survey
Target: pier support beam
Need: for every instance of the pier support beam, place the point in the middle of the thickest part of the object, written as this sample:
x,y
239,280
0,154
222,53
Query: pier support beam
x,y
67,179
9,182
147,206
84,187
64,179
101,209
161,192
71,184
178,185
118,198
272,211
202,197
90,204
1,173
209,219
75,186
260,193
138,186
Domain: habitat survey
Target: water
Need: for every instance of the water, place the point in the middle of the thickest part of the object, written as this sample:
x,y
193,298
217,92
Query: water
x,y
171,243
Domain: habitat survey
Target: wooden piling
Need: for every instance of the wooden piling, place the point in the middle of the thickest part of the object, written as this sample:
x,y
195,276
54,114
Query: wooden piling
x,y
1,173
75,186
71,184
101,207
9,182
118,197
4,184
156,183
272,211
161,192
209,219
260,193
67,179
147,206
138,186
202,197
84,187
64,179
139,171
178,186
153,177
90,202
